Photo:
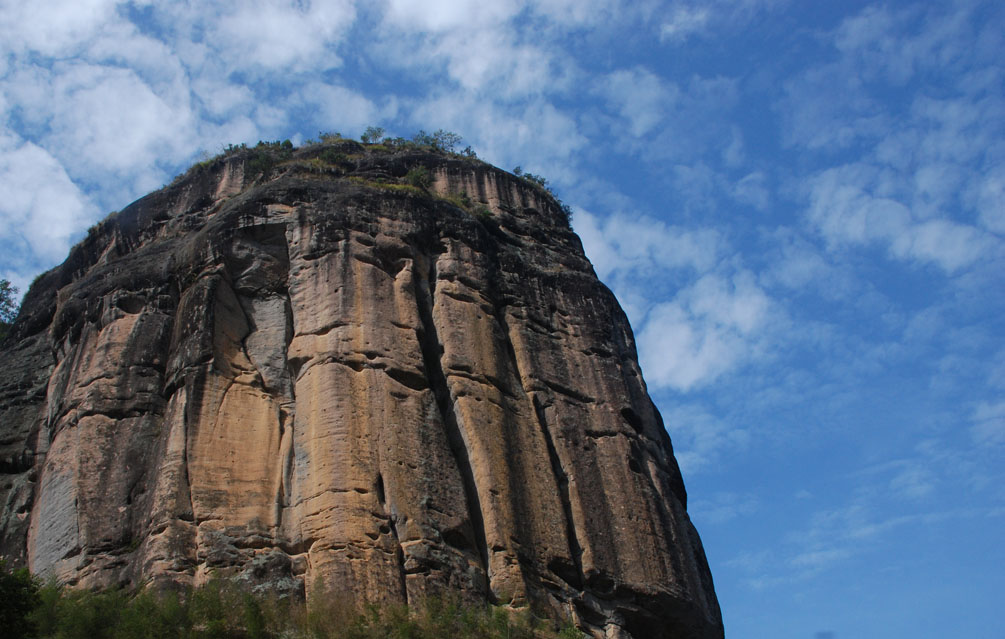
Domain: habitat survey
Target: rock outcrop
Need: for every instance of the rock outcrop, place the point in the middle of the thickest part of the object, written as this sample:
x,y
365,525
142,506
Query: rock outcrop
x,y
392,373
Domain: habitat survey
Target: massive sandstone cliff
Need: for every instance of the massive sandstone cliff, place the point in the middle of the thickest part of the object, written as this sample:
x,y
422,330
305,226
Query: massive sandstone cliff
x,y
296,370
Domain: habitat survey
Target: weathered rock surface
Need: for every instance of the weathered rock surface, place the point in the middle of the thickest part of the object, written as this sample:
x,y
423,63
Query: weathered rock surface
x,y
317,374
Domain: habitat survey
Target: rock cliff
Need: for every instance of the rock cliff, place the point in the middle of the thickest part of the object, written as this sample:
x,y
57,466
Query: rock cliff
x,y
392,373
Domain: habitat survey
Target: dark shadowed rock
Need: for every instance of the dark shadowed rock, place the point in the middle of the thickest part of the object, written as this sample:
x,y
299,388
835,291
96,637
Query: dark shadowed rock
x,y
296,370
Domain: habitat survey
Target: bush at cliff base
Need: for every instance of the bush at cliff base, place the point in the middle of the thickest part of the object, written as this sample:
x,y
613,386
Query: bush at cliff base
x,y
220,611
18,598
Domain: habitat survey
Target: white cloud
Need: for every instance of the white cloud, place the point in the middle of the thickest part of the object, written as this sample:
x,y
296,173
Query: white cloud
x,y
645,246
819,559
924,166
257,37
340,108
991,200
702,440
709,329
826,109
478,45
852,204
581,13
41,208
684,22
640,97
685,124
722,507
989,424
713,322
282,34
687,18
55,27
752,189
438,16
106,125
533,133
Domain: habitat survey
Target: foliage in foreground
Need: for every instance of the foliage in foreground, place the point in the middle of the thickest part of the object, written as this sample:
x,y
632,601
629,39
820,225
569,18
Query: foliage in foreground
x,y
220,610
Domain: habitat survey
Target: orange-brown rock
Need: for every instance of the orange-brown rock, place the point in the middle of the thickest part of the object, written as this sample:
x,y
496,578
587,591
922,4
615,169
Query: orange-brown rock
x,y
295,369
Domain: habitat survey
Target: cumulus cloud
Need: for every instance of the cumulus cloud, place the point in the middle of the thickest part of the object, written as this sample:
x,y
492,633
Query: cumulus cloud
x,y
282,34
105,124
477,44
533,134
56,28
258,37
40,206
715,316
645,246
856,204
708,329
343,109
448,15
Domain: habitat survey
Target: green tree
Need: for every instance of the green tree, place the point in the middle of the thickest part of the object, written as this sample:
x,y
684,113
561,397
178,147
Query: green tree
x,y
8,306
446,140
419,177
372,135
440,140
18,597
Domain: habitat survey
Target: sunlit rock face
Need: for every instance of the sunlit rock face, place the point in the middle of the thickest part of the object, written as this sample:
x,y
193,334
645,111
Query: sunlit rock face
x,y
305,372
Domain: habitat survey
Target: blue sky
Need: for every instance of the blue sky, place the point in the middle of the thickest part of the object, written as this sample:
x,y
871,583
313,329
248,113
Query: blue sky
x,y
801,207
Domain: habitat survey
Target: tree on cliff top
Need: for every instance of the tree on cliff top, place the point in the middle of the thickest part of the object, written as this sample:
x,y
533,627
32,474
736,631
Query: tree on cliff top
x,y
8,306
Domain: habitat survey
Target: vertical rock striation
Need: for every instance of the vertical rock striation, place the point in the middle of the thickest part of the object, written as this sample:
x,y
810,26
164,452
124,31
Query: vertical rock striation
x,y
301,372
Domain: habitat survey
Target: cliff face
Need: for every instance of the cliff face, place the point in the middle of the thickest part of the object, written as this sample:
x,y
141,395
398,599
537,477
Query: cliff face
x,y
310,373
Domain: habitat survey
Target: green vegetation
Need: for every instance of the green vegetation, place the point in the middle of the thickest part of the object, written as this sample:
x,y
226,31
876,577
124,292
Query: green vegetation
x,y
220,610
542,182
440,140
8,307
266,155
19,599
342,159
336,158
372,135
419,177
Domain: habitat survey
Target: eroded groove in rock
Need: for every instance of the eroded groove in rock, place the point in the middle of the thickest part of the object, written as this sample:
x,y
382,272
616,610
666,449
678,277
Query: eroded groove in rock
x,y
574,578
425,289
304,377
399,552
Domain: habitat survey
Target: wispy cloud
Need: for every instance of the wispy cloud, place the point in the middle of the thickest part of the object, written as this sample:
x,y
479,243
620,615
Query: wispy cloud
x,y
684,21
918,164
722,508
702,440
989,424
